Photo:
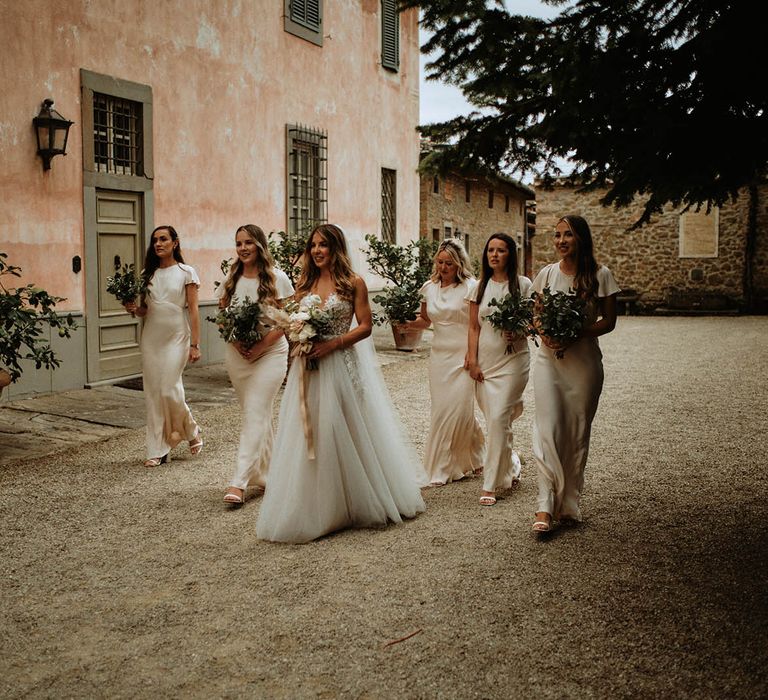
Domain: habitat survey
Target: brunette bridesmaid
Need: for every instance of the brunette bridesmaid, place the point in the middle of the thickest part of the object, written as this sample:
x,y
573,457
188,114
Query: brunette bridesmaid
x,y
500,376
567,389
170,337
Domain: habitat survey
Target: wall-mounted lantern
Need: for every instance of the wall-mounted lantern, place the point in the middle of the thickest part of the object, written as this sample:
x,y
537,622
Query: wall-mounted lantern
x,y
52,131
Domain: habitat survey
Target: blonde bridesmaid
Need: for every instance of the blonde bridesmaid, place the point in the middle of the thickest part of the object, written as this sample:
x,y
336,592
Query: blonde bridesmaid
x,y
567,390
170,337
500,377
455,445
257,371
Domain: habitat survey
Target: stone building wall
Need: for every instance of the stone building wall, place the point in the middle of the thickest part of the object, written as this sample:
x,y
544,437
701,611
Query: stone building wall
x,y
648,259
475,219
760,259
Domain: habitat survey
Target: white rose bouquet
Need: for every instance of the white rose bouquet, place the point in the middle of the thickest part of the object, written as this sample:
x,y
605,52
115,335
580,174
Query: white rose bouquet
x,y
304,323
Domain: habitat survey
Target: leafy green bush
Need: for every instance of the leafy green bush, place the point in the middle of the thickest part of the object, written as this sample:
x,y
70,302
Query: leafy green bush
x,y
407,268
287,250
24,314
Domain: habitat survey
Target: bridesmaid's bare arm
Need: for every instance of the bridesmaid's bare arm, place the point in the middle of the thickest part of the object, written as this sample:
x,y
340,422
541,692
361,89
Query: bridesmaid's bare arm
x,y
194,323
607,311
472,343
422,321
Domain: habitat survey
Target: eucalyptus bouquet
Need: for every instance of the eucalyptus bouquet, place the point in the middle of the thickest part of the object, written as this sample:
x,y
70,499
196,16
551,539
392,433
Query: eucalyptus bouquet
x,y
304,323
125,285
514,313
241,322
559,316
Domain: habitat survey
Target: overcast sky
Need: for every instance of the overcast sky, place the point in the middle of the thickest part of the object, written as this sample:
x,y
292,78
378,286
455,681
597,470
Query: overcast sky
x,y
439,101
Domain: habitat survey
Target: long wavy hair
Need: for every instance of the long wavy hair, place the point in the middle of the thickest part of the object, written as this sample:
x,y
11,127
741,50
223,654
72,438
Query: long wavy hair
x,y
340,267
459,257
486,273
264,268
151,259
585,282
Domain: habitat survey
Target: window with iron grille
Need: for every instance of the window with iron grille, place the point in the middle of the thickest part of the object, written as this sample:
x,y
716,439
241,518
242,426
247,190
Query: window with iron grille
x,y
390,35
389,205
117,135
304,18
307,178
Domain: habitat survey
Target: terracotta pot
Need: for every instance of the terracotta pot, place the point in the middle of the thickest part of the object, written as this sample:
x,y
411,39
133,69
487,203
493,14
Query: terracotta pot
x,y
5,379
405,339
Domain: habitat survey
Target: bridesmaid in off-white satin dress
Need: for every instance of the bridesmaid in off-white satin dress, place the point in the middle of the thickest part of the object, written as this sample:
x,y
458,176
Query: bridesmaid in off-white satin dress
x,y
567,390
456,445
256,372
500,376
170,337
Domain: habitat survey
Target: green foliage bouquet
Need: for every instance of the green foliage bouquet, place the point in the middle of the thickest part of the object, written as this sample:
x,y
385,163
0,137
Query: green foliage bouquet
x,y
514,313
559,316
125,285
24,314
241,322
287,250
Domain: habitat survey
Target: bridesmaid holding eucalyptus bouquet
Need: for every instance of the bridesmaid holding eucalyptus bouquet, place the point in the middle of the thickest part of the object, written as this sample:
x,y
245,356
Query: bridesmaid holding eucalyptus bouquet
x,y
568,377
255,370
170,338
500,376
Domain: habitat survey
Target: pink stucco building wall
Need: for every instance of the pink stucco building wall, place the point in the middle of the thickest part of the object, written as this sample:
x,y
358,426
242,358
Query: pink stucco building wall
x,y
226,78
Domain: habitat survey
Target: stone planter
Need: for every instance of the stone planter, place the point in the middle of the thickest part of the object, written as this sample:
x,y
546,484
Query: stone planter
x,y
405,339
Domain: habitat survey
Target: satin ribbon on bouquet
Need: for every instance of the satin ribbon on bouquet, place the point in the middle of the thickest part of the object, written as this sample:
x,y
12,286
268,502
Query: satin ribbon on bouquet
x,y
302,359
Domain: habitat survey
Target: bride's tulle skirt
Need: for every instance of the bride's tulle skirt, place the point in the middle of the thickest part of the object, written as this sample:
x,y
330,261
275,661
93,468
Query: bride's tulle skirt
x,y
365,473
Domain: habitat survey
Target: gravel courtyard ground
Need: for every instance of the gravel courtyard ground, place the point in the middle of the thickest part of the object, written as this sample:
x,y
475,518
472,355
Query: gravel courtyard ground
x,y
118,581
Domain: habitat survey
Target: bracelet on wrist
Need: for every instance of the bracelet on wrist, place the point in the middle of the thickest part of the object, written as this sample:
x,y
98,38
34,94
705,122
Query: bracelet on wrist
x,y
196,346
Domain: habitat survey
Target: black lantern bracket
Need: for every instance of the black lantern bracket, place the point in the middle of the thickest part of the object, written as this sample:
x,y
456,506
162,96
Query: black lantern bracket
x,y
52,131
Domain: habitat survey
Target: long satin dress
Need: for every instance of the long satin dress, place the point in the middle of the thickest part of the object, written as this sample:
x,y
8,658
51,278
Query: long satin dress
x,y
164,354
456,444
256,385
566,393
500,395
364,473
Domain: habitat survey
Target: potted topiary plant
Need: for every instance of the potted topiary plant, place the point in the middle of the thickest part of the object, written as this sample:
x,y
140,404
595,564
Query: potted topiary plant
x,y
24,313
407,268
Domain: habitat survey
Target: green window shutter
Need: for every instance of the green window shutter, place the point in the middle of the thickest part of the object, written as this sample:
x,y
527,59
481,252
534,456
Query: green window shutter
x,y
306,13
390,35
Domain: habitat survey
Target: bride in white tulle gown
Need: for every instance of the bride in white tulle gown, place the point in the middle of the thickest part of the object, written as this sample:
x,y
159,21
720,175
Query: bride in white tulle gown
x,y
340,457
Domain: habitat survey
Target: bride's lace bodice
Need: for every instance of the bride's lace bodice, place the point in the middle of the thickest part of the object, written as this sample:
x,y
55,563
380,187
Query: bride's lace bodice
x,y
343,311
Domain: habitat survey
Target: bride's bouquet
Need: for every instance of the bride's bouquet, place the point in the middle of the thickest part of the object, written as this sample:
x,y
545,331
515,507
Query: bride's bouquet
x,y
559,316
241,322
514,313
125,285
304,322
